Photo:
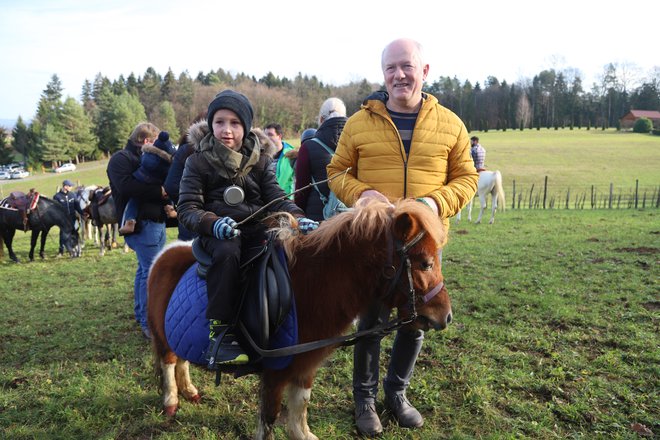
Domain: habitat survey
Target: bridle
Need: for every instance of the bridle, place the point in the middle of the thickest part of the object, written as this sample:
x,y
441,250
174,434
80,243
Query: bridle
x,y
402,250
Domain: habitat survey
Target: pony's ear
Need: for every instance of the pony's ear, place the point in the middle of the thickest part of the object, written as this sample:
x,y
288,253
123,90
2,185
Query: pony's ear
x,y
406,226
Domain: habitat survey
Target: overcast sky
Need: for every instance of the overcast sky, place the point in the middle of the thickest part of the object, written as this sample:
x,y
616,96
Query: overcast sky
x,y
338,41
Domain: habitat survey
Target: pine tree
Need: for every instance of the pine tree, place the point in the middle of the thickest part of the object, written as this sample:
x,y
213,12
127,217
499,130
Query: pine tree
x,y
166,120
78,129
53,144
6,151
22,143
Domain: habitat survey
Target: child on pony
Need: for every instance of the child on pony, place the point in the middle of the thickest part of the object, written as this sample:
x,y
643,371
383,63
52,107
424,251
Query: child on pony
x,y
225,181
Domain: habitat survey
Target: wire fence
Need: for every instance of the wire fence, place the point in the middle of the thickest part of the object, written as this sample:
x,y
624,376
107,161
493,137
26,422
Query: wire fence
x,y
593,197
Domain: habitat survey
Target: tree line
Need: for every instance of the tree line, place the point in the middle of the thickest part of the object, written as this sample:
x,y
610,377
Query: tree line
x,y
65,129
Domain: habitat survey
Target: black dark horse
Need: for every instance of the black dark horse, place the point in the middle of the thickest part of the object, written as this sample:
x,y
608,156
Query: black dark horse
x,y
39,218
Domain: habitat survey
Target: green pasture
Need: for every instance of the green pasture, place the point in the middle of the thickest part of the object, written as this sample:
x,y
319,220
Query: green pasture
x,y
572,159
555,336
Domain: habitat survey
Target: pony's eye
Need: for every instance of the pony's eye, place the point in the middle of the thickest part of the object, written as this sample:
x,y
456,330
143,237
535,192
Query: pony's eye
x,y
427,265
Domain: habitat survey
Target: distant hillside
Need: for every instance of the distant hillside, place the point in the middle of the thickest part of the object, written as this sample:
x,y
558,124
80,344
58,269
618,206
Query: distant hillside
x,y
8,123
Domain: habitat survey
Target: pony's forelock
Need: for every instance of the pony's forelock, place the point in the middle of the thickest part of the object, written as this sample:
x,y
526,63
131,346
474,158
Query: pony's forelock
x,y
429,221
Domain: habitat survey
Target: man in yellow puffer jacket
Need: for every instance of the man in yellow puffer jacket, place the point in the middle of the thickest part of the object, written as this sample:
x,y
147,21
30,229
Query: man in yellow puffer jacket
x,y
401,144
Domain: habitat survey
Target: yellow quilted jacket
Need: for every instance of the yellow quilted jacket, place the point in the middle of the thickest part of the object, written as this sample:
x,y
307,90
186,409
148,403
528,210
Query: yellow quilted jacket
x,y
439,164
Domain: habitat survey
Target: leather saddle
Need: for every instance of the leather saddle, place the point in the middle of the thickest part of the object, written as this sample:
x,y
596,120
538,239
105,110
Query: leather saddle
x,y
23,203
267,296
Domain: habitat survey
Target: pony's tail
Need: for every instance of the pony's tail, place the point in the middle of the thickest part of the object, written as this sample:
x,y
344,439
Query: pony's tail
x,y
501,201
2,246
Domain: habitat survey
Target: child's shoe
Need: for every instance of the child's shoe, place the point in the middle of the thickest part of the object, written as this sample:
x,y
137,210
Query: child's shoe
x,y
170,212
127,228
224,349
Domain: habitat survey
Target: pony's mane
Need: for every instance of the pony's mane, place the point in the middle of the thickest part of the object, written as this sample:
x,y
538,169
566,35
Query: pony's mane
x,y
366,222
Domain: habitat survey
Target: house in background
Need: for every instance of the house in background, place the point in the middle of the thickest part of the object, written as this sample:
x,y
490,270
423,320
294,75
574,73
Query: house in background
x,y
628,120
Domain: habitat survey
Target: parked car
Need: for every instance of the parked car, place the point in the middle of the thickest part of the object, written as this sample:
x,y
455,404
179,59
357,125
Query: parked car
x,y
19,174
65,167
4,174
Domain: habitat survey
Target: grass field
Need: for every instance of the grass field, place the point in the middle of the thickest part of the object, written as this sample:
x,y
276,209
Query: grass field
x,y
573,159
555,332
555,336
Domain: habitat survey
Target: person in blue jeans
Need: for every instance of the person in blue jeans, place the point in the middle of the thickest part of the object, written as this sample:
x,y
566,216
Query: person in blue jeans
x,y
149,236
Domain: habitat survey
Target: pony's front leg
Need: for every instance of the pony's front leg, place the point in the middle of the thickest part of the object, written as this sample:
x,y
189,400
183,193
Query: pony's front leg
x,y
272,390
298,400
469,207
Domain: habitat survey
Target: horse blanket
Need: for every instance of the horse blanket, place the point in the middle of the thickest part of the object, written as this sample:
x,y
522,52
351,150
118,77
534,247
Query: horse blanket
x,y
187,329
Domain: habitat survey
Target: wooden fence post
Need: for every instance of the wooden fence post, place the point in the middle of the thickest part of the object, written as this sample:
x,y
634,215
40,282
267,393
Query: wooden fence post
x,y
592,197
609,204
513,199
545,190
636,192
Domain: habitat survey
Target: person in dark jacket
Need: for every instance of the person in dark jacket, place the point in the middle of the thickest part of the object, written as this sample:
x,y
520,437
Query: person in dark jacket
x,y
225,181
70,203
187,142
313,158
149,236
154,165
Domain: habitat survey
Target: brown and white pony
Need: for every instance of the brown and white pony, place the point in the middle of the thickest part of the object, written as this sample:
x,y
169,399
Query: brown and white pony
x,y
375,252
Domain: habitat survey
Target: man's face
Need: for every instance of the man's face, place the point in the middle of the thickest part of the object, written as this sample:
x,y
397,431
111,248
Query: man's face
x,y
228,129
404,75
66,188
274,137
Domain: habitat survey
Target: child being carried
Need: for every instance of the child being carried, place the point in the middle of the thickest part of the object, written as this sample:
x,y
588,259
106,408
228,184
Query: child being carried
x,y
154,164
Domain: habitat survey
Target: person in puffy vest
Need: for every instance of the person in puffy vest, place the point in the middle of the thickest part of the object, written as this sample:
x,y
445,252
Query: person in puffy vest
x,y
401,144
154,165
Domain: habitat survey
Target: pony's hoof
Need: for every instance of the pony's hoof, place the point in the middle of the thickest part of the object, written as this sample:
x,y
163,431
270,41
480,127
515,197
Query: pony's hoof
x,y
196,398
170,411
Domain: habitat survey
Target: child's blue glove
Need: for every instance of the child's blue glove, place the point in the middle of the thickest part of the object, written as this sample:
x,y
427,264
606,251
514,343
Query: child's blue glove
x,y
306,225
224,228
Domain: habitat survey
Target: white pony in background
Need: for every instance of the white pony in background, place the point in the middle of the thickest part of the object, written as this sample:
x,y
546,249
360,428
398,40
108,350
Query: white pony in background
x,y
490,182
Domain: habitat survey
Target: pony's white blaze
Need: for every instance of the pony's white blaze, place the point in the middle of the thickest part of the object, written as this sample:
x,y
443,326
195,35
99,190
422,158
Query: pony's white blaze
x,y
490,182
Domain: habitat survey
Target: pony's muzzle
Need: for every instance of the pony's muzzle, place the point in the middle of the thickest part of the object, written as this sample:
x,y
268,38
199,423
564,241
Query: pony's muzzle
x,y
426,323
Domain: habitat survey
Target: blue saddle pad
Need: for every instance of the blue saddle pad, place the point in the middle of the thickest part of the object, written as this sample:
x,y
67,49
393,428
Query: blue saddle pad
x,y
187,329
186,326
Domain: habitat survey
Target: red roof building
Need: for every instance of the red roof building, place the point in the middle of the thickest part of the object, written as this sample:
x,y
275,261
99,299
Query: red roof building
x,y
628,120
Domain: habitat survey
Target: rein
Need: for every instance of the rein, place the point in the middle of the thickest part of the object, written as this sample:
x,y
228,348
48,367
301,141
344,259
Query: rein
x,y
382,329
